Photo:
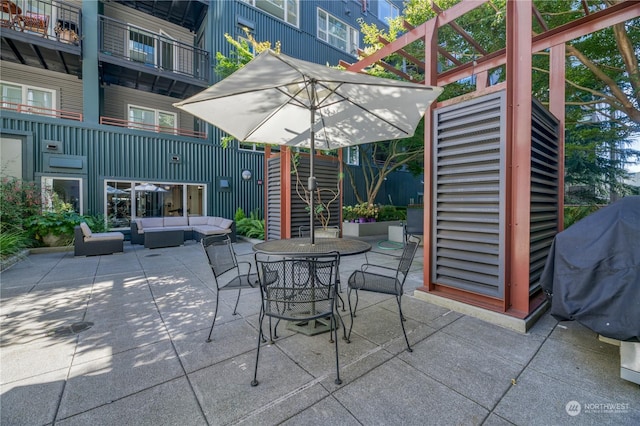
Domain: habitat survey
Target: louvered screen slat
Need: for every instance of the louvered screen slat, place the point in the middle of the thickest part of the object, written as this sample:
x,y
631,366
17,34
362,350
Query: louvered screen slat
x,y
274,207
544,190
469,201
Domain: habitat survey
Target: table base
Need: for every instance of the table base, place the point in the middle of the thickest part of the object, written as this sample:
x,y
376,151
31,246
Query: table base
x,y
313,327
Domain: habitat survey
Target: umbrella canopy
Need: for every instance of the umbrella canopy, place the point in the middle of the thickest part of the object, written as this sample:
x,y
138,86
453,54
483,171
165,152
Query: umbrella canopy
x,y
112,190
270,98
277,99
148,187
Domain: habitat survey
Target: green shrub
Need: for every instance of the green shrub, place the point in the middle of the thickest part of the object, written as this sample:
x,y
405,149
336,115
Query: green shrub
x,y
12,242
59,224
19,200
572,214
97,223
239,214
388,212
252,226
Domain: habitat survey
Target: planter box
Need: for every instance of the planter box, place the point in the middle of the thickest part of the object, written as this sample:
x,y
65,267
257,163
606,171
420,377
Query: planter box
x,y
367,229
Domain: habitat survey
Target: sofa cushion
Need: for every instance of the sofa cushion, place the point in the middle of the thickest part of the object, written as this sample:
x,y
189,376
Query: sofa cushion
x,y
105,236
225,223
172,228
198,220
86,231
176,221
214,221
152,222
210,230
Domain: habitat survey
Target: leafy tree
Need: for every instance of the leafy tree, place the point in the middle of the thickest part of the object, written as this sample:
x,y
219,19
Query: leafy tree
x,y
602,77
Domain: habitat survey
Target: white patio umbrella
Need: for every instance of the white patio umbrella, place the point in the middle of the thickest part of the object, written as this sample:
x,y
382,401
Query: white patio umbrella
x,y
276,99
148,187
112,190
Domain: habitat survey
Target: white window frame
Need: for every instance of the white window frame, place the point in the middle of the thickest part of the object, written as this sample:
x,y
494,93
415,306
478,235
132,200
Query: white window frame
x,y
24,94
156,112
255,147
324,34
352,155
144,31
174,51
284,8
47,203
382,11
133,206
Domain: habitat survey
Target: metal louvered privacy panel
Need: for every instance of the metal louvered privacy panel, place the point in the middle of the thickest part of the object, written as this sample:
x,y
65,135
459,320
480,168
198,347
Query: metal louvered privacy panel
x,y
544,189
468,187
274,207
327,172
470,200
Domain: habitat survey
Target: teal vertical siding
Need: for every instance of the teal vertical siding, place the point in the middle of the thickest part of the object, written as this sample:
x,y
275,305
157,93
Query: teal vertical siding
x,y
124,154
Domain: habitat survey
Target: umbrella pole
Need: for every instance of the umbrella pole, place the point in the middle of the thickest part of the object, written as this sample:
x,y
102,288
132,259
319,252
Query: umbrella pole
x,y
312,178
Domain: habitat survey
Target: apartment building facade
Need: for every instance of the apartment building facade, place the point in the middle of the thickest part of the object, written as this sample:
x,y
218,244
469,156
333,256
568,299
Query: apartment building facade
x,y
88,87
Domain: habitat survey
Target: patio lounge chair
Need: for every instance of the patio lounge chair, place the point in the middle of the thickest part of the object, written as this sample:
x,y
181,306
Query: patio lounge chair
x,y
227,273
87,243
300,287
385,280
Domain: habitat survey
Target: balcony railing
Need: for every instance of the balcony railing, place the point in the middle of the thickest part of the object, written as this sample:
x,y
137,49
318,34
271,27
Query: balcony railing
x,y
49,112
125,41
49,19
110,121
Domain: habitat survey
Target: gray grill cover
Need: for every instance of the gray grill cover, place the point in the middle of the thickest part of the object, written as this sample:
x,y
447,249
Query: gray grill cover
x,y
592,273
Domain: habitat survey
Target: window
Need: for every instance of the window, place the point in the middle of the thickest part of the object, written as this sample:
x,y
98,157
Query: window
x,y
20,94
57,191
168,52
352,155
387,10
151,119
287,10
337,33
142,47
251,146
128,200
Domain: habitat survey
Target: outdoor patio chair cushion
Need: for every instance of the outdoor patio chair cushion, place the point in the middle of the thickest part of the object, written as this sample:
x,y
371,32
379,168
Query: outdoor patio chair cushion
x,y
214,221
150,222
106,236
176,222
198,220
97,243
86,231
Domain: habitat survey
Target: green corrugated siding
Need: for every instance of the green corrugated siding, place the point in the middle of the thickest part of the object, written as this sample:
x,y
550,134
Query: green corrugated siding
x,y
124,154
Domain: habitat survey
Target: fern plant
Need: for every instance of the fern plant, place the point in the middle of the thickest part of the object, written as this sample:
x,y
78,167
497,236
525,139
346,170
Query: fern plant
x,y
252,226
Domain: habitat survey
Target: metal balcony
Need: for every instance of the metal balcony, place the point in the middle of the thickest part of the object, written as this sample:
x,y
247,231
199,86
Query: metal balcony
x,y
43,34
186,13
133,57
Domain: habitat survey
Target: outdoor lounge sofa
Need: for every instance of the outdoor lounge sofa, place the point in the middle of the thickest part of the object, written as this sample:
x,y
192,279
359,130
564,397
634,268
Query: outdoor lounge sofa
x,y
193,228
87,243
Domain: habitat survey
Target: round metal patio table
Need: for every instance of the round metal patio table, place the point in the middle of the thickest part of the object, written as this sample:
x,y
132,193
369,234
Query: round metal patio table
x,y
292,246
344,246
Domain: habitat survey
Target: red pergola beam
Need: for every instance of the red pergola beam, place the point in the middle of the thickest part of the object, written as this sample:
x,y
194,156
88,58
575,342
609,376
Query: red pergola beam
x,y
457,28
404,54
610,16
417,33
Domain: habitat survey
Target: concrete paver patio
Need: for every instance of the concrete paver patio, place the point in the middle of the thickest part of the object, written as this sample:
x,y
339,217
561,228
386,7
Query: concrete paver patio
x,y
145,359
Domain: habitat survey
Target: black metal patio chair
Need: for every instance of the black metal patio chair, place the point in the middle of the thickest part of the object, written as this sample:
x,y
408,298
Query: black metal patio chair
x,y
228,272
385,280
301,288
